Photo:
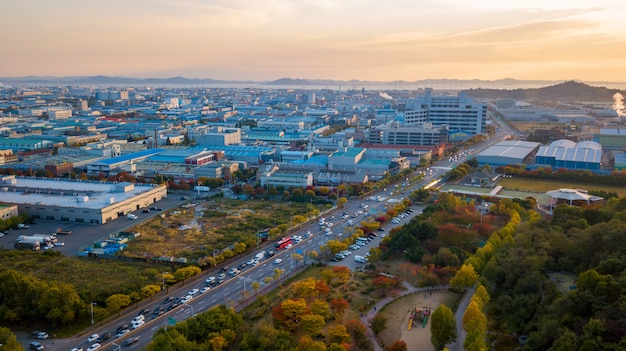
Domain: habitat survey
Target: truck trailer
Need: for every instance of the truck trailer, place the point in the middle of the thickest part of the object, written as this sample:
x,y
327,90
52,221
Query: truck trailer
x,y
28,244
43,238
60,231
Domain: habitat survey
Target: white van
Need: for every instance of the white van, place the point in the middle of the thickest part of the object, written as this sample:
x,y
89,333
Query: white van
x,y
360,259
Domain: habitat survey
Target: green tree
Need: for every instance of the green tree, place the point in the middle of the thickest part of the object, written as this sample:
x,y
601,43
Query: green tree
x,y
442,327
8,340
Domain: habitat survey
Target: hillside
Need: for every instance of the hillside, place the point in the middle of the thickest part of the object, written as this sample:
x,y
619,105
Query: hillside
x,y
565,91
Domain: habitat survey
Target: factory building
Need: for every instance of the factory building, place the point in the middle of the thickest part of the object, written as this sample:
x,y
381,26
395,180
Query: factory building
x,y
94,202
508,152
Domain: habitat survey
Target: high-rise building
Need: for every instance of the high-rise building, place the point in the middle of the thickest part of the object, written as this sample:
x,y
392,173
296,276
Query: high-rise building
x,y
458,113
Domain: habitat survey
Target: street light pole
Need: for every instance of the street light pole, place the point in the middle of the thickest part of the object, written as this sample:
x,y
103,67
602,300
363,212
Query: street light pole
x,y
92,320
244,283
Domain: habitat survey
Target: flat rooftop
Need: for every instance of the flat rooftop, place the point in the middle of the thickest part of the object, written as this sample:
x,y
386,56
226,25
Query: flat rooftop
x,y
69,193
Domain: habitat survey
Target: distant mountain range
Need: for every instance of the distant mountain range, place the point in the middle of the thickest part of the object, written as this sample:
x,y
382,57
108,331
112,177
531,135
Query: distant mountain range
x,y
570,90
511,88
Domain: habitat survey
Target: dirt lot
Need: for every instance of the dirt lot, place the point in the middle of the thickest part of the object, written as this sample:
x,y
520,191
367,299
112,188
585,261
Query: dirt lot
x,y
196,229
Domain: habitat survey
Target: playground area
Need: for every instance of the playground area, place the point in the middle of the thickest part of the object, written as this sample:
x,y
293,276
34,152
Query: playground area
x,y
408,318
565,281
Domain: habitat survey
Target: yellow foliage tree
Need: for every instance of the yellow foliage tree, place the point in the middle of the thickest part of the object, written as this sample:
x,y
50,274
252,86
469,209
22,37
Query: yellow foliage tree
x,y
465,277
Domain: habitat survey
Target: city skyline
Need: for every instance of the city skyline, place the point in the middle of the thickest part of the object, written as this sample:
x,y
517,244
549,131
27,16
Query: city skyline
x,y
342,39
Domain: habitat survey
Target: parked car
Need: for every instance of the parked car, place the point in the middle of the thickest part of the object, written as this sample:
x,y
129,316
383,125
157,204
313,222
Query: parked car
x,y
36,346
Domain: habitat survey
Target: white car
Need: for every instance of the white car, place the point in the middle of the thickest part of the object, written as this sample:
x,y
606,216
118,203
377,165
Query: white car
x,y
94,347
205,289
193,291
138,324
187,298
250,261
93,338
278,261
60,243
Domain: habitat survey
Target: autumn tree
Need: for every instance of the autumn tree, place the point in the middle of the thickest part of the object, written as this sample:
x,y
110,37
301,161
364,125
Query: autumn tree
x,y
339,305
342,273
358,333
307,344
382,282
338,334
442,327
186,272
150,290
320,308
475,324
465,277
398,345
304,288
116,301
322,288
290,312
255,286
312,324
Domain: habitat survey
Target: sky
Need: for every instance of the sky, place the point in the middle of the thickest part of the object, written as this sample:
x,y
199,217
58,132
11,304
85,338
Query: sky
x,y
262,40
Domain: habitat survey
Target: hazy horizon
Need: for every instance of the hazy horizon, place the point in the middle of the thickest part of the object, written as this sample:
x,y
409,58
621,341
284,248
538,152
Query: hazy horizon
x,y
335,40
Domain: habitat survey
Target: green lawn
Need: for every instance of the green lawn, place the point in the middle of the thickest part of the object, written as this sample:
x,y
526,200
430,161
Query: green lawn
x,y
542,186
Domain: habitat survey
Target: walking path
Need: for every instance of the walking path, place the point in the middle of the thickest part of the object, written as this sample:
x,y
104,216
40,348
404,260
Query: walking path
x,y
458,315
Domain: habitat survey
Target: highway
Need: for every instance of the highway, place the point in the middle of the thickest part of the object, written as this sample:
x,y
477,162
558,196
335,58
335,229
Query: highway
x,y
230,292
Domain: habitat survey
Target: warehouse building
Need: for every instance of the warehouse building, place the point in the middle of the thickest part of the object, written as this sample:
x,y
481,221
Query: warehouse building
x,y
570,155
78,201
508,152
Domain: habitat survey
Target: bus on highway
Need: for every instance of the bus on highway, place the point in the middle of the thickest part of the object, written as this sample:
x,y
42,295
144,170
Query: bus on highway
x,y
283,243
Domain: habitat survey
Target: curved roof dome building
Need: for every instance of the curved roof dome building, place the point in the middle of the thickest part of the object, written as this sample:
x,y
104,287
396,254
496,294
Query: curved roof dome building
x,y
567,154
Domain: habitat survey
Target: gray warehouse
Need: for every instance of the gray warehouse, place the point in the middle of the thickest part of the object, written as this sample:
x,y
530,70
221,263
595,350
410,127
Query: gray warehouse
x,y
508,152
94,202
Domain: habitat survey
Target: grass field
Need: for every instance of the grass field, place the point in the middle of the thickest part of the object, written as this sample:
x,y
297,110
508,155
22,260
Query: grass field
x,y
542,186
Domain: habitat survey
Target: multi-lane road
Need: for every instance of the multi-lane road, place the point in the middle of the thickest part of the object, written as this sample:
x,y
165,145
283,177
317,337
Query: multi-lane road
x,y
231,291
